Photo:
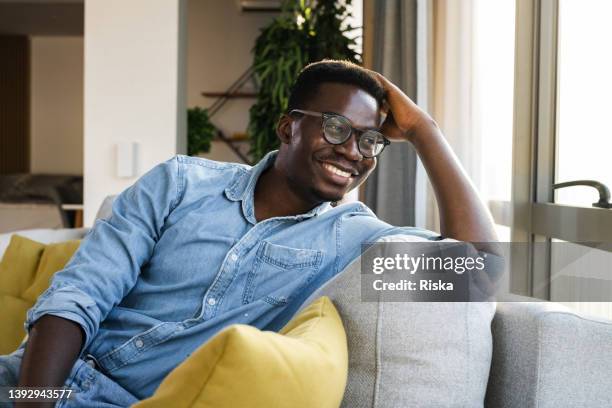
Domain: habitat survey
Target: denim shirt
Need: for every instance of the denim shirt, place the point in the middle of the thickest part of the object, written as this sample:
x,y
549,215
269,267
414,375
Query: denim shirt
x,y
182,256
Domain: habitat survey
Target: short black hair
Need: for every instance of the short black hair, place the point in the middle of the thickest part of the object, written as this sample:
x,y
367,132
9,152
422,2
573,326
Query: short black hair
x,y
327,70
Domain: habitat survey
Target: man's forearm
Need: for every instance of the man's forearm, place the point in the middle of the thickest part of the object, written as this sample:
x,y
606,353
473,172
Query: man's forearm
x,y
463,215
52,349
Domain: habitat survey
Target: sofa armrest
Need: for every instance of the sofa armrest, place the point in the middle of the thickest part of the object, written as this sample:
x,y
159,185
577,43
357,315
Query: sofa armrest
x,y
106,208
545,355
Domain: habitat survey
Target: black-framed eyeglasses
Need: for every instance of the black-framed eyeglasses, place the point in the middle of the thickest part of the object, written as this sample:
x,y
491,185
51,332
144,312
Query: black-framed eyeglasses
x,y
337,130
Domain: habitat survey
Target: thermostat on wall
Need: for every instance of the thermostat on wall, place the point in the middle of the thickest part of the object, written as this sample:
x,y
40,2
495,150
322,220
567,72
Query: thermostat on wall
x,y
127,159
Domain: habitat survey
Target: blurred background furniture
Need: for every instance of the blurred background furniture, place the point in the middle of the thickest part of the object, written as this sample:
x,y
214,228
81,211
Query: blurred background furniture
x,y
30,201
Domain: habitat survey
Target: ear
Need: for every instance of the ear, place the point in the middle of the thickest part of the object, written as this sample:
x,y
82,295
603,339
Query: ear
x,y
283,129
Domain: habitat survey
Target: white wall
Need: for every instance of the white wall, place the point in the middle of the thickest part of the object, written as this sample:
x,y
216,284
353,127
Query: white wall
x,y
56,103
220,39
133,89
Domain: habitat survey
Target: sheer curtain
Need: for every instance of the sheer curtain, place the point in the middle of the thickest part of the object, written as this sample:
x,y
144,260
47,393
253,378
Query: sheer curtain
x,y
473,86
452,93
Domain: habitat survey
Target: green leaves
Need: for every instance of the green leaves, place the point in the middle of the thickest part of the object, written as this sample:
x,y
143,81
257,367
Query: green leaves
x,y
282,49
200,131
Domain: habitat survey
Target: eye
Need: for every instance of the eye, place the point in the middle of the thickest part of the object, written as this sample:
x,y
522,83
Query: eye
x,y
371,138
336,129
368,140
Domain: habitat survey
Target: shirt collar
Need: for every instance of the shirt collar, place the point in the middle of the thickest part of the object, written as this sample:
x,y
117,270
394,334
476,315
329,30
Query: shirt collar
x,y
243,189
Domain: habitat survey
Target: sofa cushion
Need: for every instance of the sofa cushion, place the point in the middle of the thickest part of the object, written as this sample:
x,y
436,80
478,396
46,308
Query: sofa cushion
x,y
19,264
412,354
25,272
11,321
304,365
545,355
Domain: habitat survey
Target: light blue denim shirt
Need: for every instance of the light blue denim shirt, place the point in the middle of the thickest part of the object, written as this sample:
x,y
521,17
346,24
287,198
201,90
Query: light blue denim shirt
x,y
182,256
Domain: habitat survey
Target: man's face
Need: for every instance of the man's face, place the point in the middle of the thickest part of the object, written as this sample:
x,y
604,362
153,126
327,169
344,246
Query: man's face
x,y
315,168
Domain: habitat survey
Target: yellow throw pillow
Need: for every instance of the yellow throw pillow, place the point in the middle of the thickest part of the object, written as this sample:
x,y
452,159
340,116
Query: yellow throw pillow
x,y
304,365
13,314
25,272
19,264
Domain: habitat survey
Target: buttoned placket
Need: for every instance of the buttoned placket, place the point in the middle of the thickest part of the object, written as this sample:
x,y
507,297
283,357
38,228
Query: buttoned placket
x,y
215,293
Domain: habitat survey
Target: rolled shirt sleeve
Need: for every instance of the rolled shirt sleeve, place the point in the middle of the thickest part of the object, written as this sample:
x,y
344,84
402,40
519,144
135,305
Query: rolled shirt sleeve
x,y
107,264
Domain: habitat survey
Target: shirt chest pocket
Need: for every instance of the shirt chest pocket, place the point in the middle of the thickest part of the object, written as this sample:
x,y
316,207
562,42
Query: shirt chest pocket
x,y
280,272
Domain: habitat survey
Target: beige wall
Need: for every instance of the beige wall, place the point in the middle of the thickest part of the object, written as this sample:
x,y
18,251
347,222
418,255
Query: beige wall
x,y
133,89
219,42
220,39
56,98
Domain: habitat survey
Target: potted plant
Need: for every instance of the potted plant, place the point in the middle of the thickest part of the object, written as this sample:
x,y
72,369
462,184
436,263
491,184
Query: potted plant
x,y
200,131
306,31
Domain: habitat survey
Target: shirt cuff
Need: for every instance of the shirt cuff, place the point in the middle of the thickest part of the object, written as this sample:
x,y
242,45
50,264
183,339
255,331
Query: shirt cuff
x,y
69,302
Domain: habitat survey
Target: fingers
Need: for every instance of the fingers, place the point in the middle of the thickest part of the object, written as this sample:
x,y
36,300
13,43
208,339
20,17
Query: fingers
x,y
381,78
390,129
385,108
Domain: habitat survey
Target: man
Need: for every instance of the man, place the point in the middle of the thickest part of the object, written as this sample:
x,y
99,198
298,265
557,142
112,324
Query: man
x,y
195,245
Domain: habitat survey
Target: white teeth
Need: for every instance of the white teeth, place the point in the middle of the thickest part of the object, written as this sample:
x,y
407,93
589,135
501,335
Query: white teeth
x,y
336,170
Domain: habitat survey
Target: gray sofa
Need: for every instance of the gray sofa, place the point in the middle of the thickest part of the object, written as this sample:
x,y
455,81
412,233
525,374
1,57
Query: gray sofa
x,y
520,353
517,353
545,355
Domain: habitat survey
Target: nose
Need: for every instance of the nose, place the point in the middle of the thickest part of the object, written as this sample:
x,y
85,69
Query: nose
x,y
349,149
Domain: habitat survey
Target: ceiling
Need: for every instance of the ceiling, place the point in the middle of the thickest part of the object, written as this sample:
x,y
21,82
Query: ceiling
x,y
41,17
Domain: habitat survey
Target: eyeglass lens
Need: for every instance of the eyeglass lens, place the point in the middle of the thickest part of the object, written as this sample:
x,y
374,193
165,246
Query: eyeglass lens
x,y
337,130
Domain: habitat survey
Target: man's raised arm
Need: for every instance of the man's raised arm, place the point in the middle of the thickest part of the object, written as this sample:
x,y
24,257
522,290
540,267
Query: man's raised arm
x,y
463,215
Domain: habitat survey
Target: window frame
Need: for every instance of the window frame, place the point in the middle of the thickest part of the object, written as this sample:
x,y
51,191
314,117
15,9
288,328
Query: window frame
x,y
532,213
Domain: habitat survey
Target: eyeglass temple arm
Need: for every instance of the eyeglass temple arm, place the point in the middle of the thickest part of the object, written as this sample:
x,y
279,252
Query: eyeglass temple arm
x,y
307,113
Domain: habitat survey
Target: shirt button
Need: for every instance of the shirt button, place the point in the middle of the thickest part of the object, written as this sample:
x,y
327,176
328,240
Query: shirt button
x,y
234,257
212,301
139,343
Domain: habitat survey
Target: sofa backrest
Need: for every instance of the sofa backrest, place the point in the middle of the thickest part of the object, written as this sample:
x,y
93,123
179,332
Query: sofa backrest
x,y
411,354
106,208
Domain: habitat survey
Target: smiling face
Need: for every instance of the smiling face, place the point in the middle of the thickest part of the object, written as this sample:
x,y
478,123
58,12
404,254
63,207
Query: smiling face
x,y
317,170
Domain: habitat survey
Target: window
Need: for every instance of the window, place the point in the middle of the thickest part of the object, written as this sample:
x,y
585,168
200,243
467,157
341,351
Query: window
x,y
561,100
493,87
584,138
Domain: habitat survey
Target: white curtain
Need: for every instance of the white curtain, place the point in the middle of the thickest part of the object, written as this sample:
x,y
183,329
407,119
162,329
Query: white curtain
x,y
452,101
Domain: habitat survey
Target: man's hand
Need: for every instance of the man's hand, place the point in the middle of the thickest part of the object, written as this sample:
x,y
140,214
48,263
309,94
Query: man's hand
x,y
405,119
